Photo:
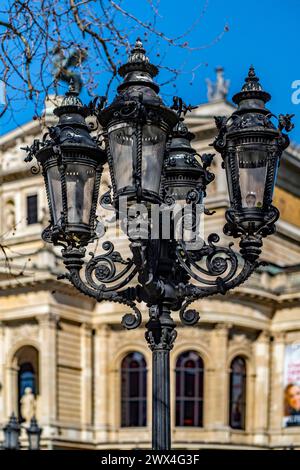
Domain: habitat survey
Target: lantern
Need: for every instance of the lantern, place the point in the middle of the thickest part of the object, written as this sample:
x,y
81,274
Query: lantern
x,y
34,434
11,434
251,147
137,125
72,164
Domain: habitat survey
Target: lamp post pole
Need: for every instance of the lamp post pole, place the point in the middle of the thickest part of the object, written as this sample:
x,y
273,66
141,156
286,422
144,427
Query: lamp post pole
x,y
160,336
147,147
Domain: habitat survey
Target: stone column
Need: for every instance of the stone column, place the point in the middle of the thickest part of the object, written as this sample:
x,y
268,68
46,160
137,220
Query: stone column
x,y
276,388
261,353
86,378
47,406
101,402
219,391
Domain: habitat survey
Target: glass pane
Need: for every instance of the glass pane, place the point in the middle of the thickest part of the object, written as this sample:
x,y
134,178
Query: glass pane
x,y
238,393
121,142
134,414
134,384
252,172
189,383
133,390
80,180
54,185
32,209
154,141
189,389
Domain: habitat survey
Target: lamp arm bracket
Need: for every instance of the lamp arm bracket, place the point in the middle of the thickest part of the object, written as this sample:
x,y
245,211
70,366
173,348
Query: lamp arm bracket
x,y
192,293
102,268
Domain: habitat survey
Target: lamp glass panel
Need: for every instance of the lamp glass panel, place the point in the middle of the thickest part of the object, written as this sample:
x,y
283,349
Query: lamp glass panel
x,y
252,177
122,145
80,181
154,142
34,440
54,185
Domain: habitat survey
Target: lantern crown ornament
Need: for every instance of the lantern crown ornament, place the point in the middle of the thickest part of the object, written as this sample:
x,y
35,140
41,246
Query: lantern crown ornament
x,y
251,147
137,125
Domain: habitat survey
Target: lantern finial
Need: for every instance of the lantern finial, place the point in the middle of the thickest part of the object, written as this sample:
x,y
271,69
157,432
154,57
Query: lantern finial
x,y
137,54
251,89
138,61
252,81
71,96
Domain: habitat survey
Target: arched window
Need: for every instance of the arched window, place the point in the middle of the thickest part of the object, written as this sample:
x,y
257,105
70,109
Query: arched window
x,y
134,390
237,409
189,389
26,360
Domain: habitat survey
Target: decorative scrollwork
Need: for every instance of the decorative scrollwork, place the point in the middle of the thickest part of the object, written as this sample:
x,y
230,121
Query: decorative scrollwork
x,y
181,107
102,268
216,261
74,261
106,200
47,234
36,169
188,317
132,320
236,228
192,293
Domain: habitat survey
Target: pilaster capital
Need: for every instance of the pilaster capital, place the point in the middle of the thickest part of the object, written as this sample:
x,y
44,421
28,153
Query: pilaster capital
x,y
223,327
264,336
86,327
102,329
49,319
279,336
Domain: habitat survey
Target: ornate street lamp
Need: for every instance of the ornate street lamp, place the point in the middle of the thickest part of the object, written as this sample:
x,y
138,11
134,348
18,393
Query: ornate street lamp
x,y
11,434
34,434
149,153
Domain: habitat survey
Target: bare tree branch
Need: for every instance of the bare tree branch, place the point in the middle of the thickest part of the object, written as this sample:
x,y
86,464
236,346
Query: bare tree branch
x,y
39,40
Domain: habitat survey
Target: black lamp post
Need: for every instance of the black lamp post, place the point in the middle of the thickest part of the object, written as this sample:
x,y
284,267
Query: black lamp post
x,y
150,158
11,434
34,434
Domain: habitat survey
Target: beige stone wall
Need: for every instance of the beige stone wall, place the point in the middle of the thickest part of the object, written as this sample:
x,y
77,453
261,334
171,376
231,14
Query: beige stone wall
x,y
69,373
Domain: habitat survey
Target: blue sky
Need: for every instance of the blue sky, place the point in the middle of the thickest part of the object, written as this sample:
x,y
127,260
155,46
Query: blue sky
x,y
264,33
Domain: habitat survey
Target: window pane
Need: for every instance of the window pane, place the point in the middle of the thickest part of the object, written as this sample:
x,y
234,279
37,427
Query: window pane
x,y
32,213
133,390
237,416
189,389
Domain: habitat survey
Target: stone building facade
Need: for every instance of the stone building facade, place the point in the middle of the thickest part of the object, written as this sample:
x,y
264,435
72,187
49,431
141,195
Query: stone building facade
x,y
78,359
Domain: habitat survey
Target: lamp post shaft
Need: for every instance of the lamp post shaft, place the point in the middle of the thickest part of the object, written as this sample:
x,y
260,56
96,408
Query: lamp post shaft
x,y
161,425
161,335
